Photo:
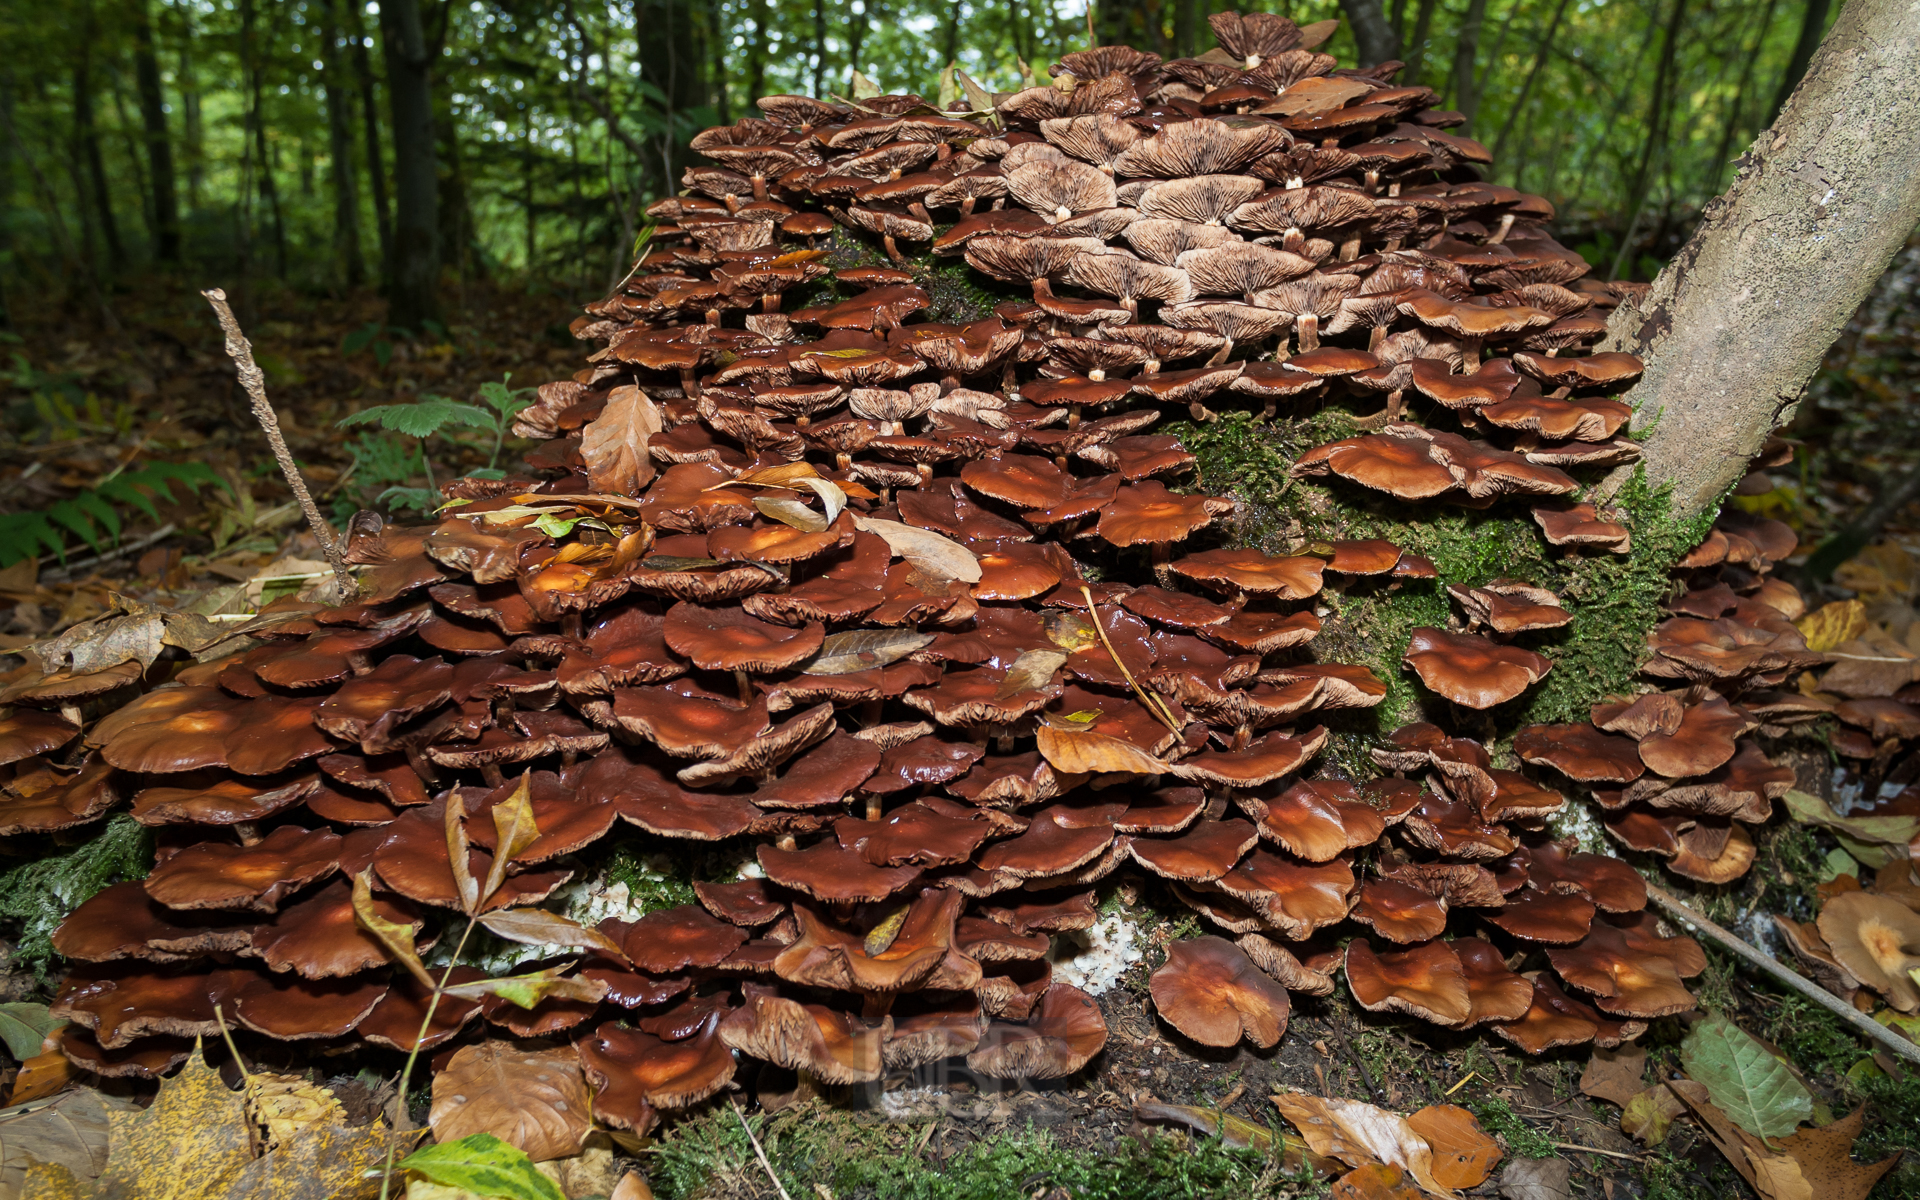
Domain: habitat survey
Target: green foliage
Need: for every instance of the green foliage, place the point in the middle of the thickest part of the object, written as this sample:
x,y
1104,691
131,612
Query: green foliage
x,y
23,1026
484,1165
1497,1117
381,460
39,893
1744,1079
421,419
94,515
656,877
810,1147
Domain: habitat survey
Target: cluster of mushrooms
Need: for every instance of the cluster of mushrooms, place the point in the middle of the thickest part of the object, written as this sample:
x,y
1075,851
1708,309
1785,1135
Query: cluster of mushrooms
x,y
924,616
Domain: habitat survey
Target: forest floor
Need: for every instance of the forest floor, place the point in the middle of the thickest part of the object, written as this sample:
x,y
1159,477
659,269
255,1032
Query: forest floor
x,y
85,403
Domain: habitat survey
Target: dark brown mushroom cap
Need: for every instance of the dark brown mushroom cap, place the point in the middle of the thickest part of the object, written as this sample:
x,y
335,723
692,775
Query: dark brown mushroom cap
x,y
1705,739
1426,980
1252,572
1210,991
1608,882
567,818
1506,608
293,1008
414,861
396,1021
929,1029
67,800
1402,466
1580,752
1470,670
1058,1039
26,734
1294,897
1179,610
1023,480
1400,913
972,698
1495,992
169,730
749,902
146,1058
913,835
1581,525
1557,919
318,937
1262,633
634,1072
122,921
1557,1019
1147,512
643,792
120,1004
686,723
1048,847
827,871
832,1045
1605,369
1640,716
1202,853
222,875
71,687
1321,819
1258,763
728,639
1626,982
669,940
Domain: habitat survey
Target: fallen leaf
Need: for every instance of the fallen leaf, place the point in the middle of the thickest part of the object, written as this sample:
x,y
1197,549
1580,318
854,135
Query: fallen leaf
x,y
23,1026
1536,1179
1831,624
1886,831
40,1076
1235,1132
465,887
286,1106
783,475
535,1101
1617,1074
1743,1079
514,830
1463,1154
327,1162
1826,1159
1094,753
932,555
395,938
1358,1134
69,1131
1314,95
1648,1114
530,989
193,1141
791,512
481,1163
614,444
1319,31
1031,671
538,927
631,1187
864,649
1375,1181
1774,1176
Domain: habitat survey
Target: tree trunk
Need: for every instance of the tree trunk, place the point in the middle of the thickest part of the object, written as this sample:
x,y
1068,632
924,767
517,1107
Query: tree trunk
x,y
153,117
819,43
86,141
1526,86
1738,322
255,72
1737,106
370,120
192,136
1373,36
348,261
1813,23
756,50
1417,45
413,292
1466,48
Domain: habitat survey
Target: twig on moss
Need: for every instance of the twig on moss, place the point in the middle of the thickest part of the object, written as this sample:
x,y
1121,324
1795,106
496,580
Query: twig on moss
x,y
1887,1038
255,383
759,1153
1596,1150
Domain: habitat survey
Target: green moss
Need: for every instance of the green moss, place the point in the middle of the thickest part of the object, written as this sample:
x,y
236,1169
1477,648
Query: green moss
x,y
1523,1140
824,1151
37,895
1615,599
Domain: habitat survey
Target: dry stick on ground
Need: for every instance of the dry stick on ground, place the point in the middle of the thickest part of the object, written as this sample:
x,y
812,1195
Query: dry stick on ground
x,y
1799,983
760,1154
241,352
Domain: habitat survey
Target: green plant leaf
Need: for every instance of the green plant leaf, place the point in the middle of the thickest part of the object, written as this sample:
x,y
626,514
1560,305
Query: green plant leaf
x,y
484,1165
24,1026
423,418
1744,1080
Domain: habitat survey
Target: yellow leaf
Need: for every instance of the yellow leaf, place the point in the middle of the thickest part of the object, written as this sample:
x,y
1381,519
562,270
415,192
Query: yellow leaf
x,y
513,822
396,938
1094,753
287,1106
1831,624
193,1142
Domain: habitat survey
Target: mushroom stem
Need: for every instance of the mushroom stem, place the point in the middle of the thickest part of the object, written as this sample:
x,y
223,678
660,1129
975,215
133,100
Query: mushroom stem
x,y
1163,564
422,767
491,773
742,681
248,832
893,248
870,712
1220,355
786,842
1500,234
966,206
920,210
689,382
359,661
1395,401
874,809
1350,249
570,624
568,758
1042,289
1073,416
1377,336
72,713
770,302
1308,326
759,187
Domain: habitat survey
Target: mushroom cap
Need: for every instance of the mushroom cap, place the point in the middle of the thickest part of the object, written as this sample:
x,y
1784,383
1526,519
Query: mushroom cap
x,y
832,1045
1401,466
1495,992
1319,820
291,1008
1626,982
1470,670
1059,1038
1556,1019
828,871
728,639
634,1072
1580,752
1147,512
1538,916
25,734
1250,571
1210,991
319,938
1704,739
1294,897
219,875
1877,938
1400,913
1426,980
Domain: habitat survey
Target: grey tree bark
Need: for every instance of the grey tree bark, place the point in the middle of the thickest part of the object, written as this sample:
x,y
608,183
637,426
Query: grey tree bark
x,y
413,292
1373,35
1738,322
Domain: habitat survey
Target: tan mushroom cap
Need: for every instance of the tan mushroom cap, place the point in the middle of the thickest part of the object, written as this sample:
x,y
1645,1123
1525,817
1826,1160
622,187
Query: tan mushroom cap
x,y
1425,980
832,1045
1254,573
1581,752
1470,670
1877,938
1401,466
1058,1039
1625,981
1210,991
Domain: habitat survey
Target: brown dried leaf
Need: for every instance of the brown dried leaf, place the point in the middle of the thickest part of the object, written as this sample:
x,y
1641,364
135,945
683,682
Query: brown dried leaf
x,y
614,444
538,927
395,938
790,512
864,649
1826,1159
537,1101
932,555
1831,624
1617,1074
1358,1134
1031,671
1463,1154
1648,1115
514,830
1094,753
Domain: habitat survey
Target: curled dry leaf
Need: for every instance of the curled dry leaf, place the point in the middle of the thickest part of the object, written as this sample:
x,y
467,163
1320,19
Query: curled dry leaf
x,y
614,444
932,555
395,938
538,927
1616,1074
1031,671
514,830
1375,1181
536,1101
1463,1154
1358,1134
791,512
1094,753
863,650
